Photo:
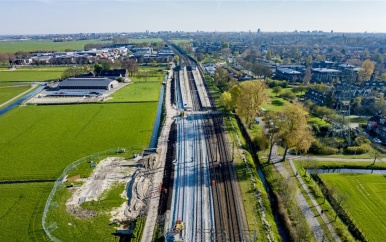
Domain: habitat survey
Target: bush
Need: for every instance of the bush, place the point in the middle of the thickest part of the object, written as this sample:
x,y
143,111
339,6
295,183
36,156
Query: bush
x,y
320,149
362,149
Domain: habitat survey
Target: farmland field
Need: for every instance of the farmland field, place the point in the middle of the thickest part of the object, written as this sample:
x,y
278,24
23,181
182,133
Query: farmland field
x,y
10,91
21,211
38,142
136,92
366,203
31,74
13,46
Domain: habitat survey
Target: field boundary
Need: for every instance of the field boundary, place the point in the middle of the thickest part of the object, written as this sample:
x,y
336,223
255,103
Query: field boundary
x,y
59,183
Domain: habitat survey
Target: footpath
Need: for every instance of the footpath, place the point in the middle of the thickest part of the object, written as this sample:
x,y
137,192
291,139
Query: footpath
x,y
152,214
308,214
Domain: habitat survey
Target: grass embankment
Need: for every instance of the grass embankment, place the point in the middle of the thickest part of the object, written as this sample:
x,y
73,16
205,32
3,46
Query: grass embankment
x,y
27,74
365,204
259,214
21,211
10,91
12,46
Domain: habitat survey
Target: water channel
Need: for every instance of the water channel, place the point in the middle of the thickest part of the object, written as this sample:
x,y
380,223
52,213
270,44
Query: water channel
x,y
21,100
156,127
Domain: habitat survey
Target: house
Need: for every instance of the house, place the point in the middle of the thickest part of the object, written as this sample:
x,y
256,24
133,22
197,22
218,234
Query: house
x,y
114,74
288,74
165,51
377,126
315,96
324,75
88,83
210,68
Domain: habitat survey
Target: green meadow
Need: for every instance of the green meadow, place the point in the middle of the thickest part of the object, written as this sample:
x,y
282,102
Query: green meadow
x,y
21,211
366,203
12,46
10,91
45,73
38,142
137,92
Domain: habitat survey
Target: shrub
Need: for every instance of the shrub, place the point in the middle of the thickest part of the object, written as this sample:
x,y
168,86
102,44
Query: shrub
x,y
364,148
320,149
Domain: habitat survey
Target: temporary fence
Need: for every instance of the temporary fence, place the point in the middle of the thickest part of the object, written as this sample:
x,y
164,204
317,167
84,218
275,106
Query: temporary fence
x,y
50,204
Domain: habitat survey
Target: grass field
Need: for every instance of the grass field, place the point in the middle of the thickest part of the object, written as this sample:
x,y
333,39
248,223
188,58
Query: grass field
x,y
136,92
37,142
31,74
366,203
275,103
21,211
13,46
10,91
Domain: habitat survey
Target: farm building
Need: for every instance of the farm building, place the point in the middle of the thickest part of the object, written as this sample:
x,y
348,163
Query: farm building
x,y
88,83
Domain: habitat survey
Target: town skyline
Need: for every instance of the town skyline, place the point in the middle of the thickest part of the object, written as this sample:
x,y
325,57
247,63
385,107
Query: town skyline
x,y
98,16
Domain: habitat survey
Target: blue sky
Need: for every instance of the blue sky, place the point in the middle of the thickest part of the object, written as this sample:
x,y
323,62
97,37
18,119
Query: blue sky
x,y
75,16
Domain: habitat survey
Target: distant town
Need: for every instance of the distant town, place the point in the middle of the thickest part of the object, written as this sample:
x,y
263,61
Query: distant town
x,y
193,136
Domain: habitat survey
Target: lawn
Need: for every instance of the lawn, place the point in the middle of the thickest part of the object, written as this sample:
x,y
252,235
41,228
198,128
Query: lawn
x,y
13,46
31,74
317,121
137,92
21,211
10,91
366,203
38,142
275,103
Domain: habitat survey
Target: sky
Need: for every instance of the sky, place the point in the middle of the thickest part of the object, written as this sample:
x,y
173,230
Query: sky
x,y
100,16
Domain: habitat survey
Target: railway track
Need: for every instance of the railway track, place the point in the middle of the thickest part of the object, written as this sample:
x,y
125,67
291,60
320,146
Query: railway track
x,y
228,221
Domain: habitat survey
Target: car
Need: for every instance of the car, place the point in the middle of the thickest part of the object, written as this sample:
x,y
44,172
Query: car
x,y
376,140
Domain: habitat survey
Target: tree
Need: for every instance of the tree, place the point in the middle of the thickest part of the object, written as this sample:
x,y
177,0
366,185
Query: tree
x,y
383,77
226,101
253,95
307,76
277,90
274,123
330,101
295,132
288,95
73,71
376,155
132,66
300,89
235,92
221,78
261,70
98,68
366,70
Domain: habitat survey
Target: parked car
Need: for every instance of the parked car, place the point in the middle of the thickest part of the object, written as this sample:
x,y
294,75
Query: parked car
x,y
376,140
